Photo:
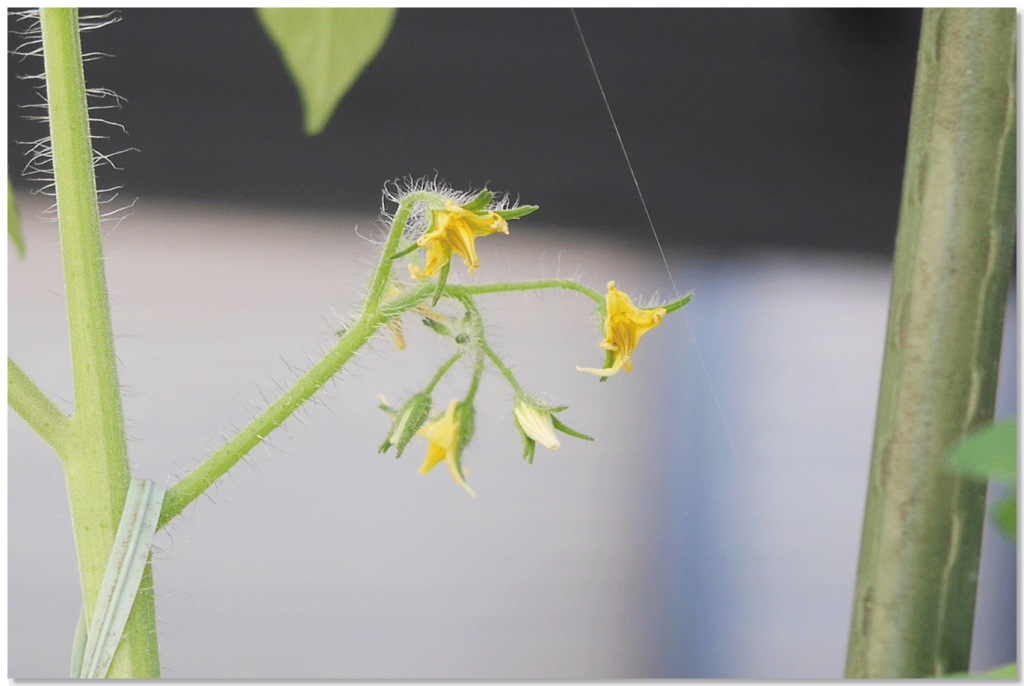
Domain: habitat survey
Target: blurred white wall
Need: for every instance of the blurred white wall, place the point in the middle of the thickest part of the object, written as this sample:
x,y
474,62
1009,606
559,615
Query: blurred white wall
x,y
711,530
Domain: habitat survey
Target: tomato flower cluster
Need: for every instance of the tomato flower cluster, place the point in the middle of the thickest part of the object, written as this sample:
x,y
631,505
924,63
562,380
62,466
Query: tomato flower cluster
x,y
444,223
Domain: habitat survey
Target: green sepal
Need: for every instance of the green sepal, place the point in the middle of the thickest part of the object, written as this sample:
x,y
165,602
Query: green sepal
x,y
516,212
407,422
609,361
438,327
482,200
566,430
676,305
403,252
465,415
442,279
529,445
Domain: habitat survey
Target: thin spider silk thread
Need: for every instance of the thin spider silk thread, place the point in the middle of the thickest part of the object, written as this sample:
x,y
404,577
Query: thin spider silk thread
x,y
622,146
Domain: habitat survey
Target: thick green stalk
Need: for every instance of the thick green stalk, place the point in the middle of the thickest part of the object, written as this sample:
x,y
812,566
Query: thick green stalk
x,y
96,464
914,601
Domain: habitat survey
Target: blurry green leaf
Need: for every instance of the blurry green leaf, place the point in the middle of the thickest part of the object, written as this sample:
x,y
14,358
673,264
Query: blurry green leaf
x,y
1004,514
990,453
1004,672
14,221
325,50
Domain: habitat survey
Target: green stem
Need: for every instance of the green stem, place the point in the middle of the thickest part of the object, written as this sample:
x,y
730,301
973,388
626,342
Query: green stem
x,y
38,411
96,465
526,286
914,599
442,371
505,371
180,495
478,324
478,370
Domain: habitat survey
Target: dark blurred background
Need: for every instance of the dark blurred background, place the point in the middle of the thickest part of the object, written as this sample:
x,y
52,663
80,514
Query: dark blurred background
x,y
745,127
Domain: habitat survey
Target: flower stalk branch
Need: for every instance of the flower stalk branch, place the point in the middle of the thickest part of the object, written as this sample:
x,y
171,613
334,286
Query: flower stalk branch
x,y
190,487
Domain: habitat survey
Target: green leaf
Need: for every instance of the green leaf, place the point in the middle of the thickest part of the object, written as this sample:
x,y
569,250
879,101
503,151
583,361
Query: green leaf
x,y
14,221
1004,515
325,49
1004,672
989,453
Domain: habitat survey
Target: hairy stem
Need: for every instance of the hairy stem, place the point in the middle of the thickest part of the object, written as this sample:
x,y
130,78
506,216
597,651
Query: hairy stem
x,y
96,462
567,284
442,371
505,371
180,495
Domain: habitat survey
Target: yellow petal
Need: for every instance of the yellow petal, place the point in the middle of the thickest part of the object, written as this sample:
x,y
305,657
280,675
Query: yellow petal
x,y
611,371
458,479
444,438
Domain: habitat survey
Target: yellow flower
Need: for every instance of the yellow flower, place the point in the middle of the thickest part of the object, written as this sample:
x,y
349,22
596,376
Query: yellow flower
x,y
444,440
455,229
625,325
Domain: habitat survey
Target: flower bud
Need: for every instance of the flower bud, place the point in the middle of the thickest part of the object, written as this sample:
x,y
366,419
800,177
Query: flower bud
x,y
408,421
536,424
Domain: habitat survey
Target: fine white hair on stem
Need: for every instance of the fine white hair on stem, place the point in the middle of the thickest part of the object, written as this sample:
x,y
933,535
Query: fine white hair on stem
x,y
397,190
39,165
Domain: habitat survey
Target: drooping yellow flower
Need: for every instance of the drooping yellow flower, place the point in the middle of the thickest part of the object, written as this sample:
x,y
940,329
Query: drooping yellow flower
x,y
625,325
455,229
444,439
